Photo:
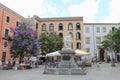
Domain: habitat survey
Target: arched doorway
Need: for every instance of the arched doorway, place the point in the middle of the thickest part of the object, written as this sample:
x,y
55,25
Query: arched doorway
x,y
101,52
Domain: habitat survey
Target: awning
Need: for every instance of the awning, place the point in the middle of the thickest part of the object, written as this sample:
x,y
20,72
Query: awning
x,y
81,53
56,53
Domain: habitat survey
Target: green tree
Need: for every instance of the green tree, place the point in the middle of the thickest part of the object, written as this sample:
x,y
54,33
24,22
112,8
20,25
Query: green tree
x,y
112,41
50,42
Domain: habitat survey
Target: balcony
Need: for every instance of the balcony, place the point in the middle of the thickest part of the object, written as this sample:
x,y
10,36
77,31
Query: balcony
x,y
7,37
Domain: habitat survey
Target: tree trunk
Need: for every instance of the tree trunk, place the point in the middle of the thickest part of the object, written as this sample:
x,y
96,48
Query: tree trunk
x,y
21,58
115,57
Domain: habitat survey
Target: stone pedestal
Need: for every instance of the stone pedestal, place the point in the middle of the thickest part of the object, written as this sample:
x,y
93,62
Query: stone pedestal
x,y
67,65
67,59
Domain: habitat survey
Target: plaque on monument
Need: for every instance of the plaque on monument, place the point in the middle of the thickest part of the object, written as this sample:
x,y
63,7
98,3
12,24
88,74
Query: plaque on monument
x,y
66,58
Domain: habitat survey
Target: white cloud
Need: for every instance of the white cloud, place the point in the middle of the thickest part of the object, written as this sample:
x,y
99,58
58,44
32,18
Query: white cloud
x,y
29,8
26,7
63,12
114,15
66,1
52,9
87,9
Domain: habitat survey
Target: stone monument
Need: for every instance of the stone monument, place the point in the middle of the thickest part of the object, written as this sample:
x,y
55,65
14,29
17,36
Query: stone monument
x,y
67,65
67,58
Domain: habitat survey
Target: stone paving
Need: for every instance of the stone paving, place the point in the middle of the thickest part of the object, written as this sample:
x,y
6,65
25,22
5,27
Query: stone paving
x,y
102,72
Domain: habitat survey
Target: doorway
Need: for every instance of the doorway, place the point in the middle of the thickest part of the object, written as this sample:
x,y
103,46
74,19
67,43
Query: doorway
x,y
101,52
4,57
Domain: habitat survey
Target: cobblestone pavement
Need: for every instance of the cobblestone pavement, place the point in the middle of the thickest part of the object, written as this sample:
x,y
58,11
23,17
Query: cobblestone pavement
x,y
102,72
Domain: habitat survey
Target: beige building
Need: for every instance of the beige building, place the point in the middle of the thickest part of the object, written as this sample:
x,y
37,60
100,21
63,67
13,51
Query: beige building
x,y
63,25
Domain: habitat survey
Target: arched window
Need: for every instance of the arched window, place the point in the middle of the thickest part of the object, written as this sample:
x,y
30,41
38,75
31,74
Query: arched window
x,y
71,34
60,26
43,27
61,35
78,45
51,27
78,26
78,36
70,26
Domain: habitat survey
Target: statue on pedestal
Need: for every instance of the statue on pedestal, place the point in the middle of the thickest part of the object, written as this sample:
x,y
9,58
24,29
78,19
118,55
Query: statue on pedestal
x,y
67,41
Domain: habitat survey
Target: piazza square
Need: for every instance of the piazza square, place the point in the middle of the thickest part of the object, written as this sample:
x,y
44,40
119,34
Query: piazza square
x,y
104,72
59,40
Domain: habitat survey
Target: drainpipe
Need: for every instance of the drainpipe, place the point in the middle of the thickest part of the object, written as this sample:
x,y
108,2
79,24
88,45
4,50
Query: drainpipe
x,y
94,40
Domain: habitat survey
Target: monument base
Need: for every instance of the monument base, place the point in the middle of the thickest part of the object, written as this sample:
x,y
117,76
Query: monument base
x,y
65,71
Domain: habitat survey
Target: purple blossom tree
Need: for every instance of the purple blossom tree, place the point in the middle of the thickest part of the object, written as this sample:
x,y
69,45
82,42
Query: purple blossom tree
x,y
24,41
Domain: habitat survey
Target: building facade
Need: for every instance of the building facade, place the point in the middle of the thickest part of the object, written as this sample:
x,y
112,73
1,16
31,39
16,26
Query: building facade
x,y
93,36
8,18
62,26
85,36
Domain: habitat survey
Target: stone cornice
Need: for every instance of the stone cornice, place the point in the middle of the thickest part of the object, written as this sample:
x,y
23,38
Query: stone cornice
x,y
101,23
59,19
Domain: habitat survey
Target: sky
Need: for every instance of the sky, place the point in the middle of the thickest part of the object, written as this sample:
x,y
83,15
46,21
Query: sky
x,y
92,11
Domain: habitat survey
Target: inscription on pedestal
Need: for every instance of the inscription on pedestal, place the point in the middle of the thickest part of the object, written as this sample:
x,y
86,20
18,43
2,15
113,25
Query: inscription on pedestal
x,y
66,57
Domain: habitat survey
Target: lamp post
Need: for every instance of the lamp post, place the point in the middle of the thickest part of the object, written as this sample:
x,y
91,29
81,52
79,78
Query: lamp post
x,y
113,61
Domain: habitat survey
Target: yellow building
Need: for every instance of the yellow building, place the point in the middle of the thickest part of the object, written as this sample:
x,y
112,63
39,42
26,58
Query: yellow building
x,y
63,25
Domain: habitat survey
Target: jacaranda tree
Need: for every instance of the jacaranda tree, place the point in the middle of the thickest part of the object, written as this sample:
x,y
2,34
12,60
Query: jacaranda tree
x,y
24,41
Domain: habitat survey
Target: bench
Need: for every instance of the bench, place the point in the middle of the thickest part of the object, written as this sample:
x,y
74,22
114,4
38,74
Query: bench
x,y
24,66
7,67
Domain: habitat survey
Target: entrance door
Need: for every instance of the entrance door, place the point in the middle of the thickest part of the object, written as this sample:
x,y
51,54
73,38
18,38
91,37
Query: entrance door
x,y
102,54
4,56
118,58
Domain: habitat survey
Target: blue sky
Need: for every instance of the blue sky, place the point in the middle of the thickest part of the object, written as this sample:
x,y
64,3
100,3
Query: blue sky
x,y
91,10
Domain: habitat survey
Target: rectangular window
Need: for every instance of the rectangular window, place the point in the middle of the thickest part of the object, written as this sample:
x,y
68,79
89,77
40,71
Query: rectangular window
x,y
113,28
87,49
17,23
36,25
104,29
8,19
72,45
103,38
78,45
98,29
98,40
6,32
87,29
87,40
5,44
